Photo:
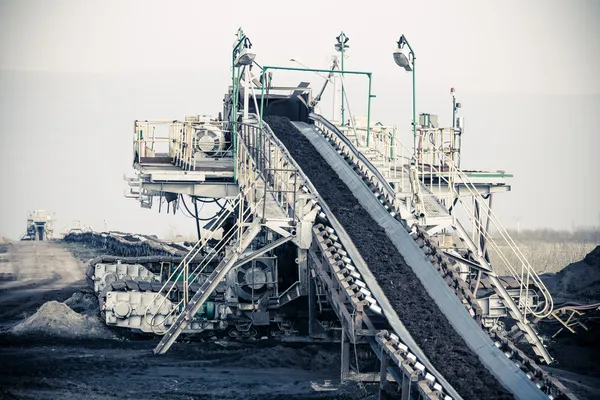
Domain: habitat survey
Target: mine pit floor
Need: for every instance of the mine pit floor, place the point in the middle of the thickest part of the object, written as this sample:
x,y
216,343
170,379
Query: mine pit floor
x,y
40,366
46,367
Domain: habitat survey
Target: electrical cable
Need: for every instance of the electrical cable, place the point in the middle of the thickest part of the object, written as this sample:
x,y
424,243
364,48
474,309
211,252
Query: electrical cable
x,y
189,214
199,198
198,218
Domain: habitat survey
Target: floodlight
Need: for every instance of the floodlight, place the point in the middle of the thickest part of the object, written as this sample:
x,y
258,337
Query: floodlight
x,y
342,39
401,60
245,57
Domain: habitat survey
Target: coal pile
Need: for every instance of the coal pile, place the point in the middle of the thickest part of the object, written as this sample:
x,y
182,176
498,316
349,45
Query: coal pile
x,y
56,319
578,282
85,303
310,357
427,324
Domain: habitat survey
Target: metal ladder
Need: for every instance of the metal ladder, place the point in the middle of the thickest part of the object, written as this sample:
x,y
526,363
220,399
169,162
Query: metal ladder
x,y
207,287
525,276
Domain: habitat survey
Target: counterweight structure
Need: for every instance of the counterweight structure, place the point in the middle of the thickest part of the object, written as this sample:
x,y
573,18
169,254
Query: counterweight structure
x,y
280,259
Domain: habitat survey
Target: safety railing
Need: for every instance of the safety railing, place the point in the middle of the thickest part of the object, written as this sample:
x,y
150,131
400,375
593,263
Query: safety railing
x,y
432,142
381,139
182,271
385,152
261,157
182,143
152,140
198,140
330,129
446,176
434,168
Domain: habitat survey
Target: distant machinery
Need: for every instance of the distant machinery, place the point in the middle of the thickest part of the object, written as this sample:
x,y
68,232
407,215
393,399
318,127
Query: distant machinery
x,y
40,226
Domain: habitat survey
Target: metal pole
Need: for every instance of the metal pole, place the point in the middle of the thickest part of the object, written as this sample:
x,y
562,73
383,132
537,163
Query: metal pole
x,y
369,112
262,104
342,45
414,104
246,92
241,38
197,220
334,78
453,110
414,101
233,113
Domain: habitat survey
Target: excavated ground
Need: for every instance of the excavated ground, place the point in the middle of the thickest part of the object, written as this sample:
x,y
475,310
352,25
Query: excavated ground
x,y
427,324
53,346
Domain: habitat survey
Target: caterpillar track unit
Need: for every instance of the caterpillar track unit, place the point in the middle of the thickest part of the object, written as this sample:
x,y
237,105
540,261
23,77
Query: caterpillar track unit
x,y
333,231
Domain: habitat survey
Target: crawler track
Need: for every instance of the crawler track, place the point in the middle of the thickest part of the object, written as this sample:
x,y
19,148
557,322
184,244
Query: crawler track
x,y
126,245
426,323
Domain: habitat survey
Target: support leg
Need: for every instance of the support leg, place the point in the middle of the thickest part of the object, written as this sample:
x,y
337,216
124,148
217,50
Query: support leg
x,y
312,307
345,355
405,387
382,375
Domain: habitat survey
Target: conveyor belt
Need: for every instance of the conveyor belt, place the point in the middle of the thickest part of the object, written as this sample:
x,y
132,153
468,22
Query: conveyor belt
x,y
428,323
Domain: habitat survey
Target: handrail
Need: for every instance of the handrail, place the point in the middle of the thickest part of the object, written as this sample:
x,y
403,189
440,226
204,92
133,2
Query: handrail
x,y
199,269
357,153
181,268
527,274
259,148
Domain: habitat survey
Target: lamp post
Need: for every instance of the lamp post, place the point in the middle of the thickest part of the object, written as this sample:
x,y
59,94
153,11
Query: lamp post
x,y
408,63
340,46
455,107
240,56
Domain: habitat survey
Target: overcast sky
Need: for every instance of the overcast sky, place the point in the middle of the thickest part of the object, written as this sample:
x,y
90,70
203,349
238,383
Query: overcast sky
x,y
75,75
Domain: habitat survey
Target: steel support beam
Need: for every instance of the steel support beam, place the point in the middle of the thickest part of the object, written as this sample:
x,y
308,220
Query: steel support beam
x,y
215,190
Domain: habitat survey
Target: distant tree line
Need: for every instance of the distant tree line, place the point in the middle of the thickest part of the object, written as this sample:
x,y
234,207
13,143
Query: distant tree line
x,y
547,250
579,235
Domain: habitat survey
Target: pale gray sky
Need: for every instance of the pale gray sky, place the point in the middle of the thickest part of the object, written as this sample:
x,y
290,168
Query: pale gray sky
x,y
74,75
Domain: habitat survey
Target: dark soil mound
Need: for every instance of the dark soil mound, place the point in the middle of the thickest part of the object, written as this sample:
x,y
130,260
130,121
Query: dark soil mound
x,y
578,282
57,319
426,323
577,352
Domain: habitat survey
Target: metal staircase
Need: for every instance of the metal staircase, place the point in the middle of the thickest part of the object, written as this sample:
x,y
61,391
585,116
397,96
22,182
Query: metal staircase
x,y
272,195
424,208
207,288
350,279
524,275
343,274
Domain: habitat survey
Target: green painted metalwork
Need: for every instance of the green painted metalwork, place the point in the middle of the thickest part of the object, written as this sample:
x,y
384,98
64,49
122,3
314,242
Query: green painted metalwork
x,y
370,95
414,96
341,37
234,90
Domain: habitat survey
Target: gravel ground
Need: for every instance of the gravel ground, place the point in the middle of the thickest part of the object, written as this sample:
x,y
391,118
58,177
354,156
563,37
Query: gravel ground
x,y
50,368
426,323
53,346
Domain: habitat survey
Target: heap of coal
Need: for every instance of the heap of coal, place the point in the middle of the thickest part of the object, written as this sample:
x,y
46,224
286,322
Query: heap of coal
x,y
427,324
578,282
